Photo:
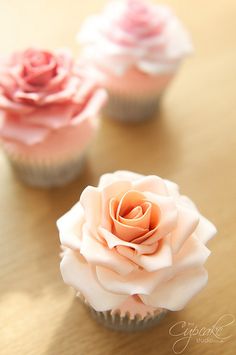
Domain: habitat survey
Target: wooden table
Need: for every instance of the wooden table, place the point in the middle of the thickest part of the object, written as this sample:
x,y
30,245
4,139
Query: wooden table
x,y
191,142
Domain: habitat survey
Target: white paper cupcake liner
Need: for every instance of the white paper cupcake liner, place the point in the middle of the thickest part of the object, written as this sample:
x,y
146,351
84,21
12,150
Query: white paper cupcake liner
x,y
125,323
131,108
47,174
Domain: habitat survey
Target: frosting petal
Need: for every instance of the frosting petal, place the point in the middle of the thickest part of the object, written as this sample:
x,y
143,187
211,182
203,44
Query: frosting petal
x,y
95,253
168,216
193,254
77,273
113,241
205,230
119,175
70,227
137,282
52,117
160,259
127,175
172,188
114,189
186,224
151,183
92,107
10,129
90,199
175,293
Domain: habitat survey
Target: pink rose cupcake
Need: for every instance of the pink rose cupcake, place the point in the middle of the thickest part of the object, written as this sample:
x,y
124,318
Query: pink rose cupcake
x,y
48,117
133,249
134,48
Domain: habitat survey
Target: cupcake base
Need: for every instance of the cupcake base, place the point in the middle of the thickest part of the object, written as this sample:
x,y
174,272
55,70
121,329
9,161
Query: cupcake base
x,y
45,174
131,109
125,323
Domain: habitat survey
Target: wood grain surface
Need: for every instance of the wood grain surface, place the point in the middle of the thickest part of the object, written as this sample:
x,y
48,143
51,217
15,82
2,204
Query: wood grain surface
x,y
192,141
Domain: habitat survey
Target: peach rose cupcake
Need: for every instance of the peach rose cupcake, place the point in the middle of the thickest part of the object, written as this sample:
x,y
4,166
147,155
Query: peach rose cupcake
x,y
134,48
48,117
133,249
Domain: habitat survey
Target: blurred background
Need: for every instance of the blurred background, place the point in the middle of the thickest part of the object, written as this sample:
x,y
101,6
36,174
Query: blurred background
x,y
191,141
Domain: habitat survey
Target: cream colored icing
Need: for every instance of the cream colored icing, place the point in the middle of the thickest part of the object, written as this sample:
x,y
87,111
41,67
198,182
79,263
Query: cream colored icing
x,y
157,254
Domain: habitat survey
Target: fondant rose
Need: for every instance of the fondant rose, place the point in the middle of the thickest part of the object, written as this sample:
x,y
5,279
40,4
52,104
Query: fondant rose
x,y
134,235
42,91
134,33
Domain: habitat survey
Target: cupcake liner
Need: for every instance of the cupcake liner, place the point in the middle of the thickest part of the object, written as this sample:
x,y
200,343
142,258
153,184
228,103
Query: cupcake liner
x,y
124,322
120,322
131,108
47,174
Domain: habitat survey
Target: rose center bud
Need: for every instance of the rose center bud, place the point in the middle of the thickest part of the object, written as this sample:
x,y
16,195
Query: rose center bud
x,y
134,16
134,218
38,67
137,6
39,59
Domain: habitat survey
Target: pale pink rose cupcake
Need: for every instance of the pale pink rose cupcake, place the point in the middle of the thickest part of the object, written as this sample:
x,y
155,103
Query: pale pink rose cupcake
x,y
134,48
48,116
133,249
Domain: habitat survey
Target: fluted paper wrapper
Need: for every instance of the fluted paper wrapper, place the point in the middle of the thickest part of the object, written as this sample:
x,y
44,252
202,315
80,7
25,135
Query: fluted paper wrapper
x,y
124,322
132,109
120,322
45,173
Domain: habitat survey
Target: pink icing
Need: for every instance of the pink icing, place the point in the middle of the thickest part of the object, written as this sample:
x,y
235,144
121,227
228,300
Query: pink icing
x,y
135,235
74,139
135,33
46,99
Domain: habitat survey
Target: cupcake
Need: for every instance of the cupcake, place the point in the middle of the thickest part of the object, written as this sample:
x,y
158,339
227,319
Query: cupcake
x,y
134,249
134,48
48,115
